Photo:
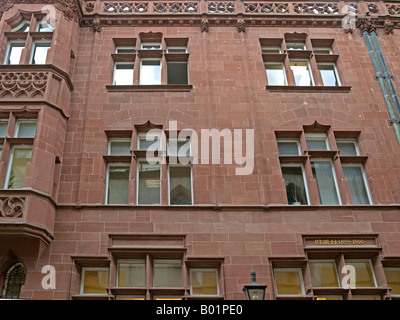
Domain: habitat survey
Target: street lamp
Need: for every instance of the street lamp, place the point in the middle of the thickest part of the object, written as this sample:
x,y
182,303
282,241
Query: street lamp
x,y
254,291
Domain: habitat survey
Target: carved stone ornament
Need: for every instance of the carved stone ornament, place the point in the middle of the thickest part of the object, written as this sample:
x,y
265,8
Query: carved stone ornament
x,y
241,25
367,24
12,207
388,26
97,26
205,25
68,7
27,84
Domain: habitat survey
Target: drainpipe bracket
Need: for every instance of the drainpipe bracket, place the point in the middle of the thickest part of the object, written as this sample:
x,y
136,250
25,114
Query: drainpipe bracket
x,y
392,122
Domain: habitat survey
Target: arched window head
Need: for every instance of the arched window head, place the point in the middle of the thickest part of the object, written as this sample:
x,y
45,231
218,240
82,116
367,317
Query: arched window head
x,y
14,280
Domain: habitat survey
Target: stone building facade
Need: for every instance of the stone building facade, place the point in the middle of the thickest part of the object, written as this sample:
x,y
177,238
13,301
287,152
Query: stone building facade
x,y
311,184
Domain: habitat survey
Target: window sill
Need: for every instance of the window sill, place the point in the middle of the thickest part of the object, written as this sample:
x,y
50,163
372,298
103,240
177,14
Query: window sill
x,y
151,88
332,89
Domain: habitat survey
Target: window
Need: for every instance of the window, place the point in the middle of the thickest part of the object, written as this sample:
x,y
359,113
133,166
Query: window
x,y
176,49
14,52
94,281
322,50
347,147
125,49
271,49
149,141
123,73
323,273
323,173
149,183
25,129
295,187
302,72
44,26
3,128
393,280
317,142
329,74
19,158
22,27
288,147
288,281
150,72
295,46
179,147
131,273
117,184
177,73
276,74
364,273
13,281
167,273
39,54
151,46
119,147
355,176
180,184
204,282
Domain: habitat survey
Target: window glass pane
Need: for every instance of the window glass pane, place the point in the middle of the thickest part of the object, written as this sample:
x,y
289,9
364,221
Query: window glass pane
x,y
295,188
40,53
271,49
316,143
23,27
355,179
288,282
275,74
15,52
151,46
365,297
323,274
322,50
118,185
167,273
295,46
347,148
364,273
288,148
323,174
149,183
125,50
123,74
131,273
20,159
393,280
120,147
204,282
44,27
180,185
177,50
328,74
179,147
25,129
177,73
95,282
3,128
301,72
150,72
148,140
329,297
13,281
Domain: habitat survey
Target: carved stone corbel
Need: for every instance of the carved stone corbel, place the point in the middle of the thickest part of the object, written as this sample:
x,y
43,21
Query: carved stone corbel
x,y
205,25
388,26
241,25
367,24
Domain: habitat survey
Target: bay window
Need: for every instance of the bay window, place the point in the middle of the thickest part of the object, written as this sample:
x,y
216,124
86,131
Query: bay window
x,y
39,52
14,52
19,158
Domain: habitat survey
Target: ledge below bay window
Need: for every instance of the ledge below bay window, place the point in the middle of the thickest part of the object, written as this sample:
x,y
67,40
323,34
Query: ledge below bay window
x,y
328,89
151,88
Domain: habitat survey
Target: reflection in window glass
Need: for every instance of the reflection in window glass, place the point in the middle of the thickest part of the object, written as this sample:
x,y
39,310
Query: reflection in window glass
x,y
328,74
302,73
288,148
347,148
40,53
167,273
204,282
131,273
20,156
364,273
23,27
275,74
43,26
118,185
150,72
3,128
295,187
323,274
123,74
323,174
149,185
289,281
14,53
25,129
355,178
393,280
95,281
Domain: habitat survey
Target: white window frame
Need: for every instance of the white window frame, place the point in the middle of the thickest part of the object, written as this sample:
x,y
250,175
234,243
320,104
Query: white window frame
x,y
83,275
191,181
339,285
11,160
364,177
151,44
115,70
303,171
130,261
349,140
285,81
18,123
205,270
318,136
300,271
348,262
309,70
112,140
114,164
334,70
289,140
10,44
141,69
20,25
334,178
39,43
137,183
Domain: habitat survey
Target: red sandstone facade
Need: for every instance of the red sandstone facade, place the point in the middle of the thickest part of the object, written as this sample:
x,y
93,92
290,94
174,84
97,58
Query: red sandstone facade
x,y
235,223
